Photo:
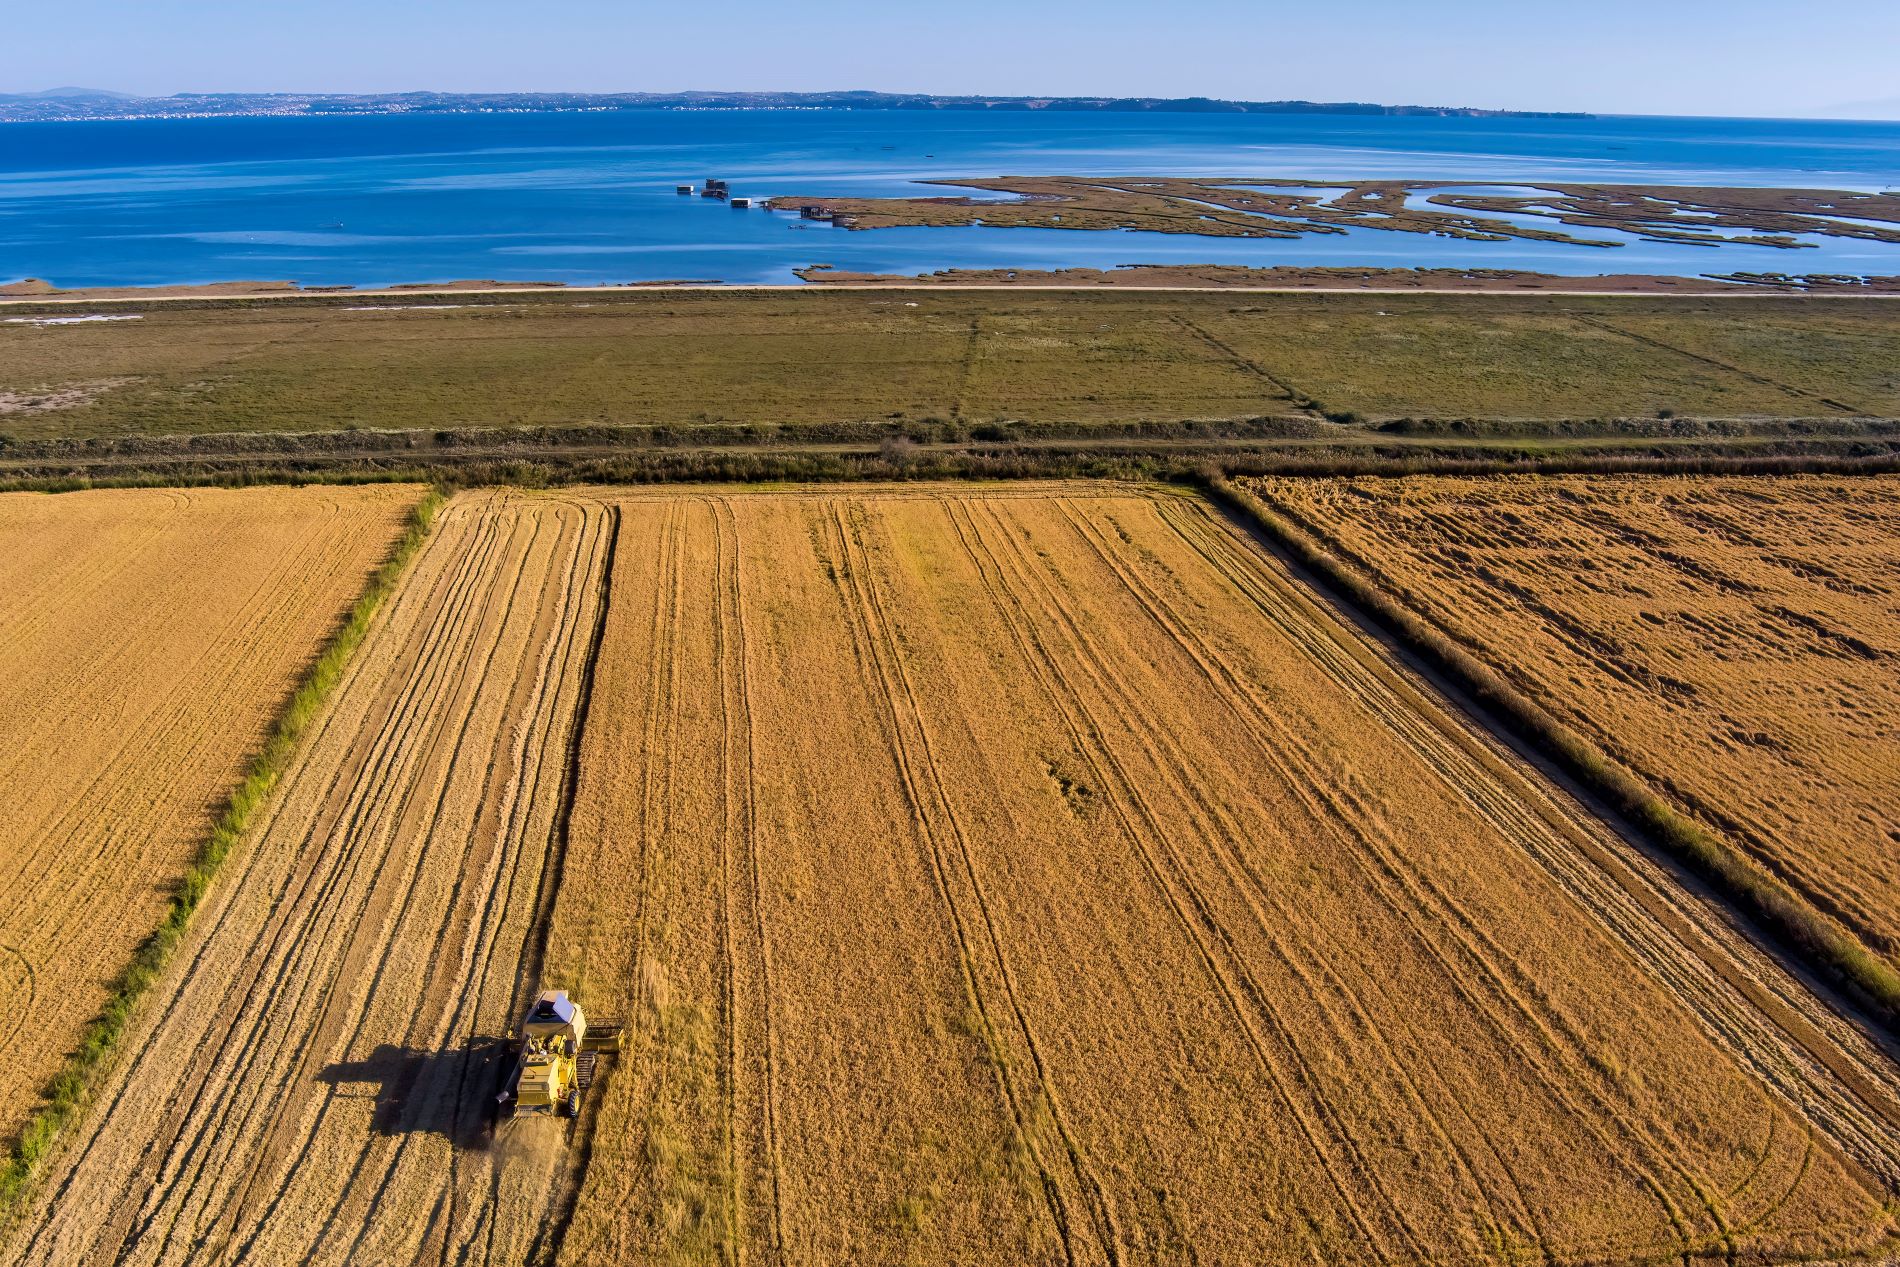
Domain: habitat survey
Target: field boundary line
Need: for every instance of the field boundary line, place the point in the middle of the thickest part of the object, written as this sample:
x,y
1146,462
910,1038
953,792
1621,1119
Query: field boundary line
x,y
1742,887
69,1093
1759,379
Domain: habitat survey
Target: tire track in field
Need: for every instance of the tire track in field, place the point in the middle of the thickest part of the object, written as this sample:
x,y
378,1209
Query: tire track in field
x,y
662,723
559,1211
736,1179
1102,1212
458,583
880,654
1288,392
1307,786
352,910
966,370
1436,907
1820,1065
20,998
278,1142
514,749
735,654
1403,887
1247,1002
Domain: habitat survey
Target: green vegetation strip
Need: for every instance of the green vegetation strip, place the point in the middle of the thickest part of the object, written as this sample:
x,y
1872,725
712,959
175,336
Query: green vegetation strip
x,y
67,1095
1736,877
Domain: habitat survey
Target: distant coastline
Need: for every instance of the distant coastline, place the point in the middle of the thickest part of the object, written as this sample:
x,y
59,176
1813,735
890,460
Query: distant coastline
x,y
32,291
70,105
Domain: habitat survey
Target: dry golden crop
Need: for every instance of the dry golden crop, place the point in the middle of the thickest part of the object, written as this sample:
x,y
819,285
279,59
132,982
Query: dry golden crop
x,y
1045,878
302,1088
146,640
1030,875
1731,641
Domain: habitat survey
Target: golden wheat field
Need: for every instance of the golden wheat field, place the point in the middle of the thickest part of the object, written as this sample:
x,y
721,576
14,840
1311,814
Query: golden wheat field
x,y
146,640
1042,877
1026,875
1732,641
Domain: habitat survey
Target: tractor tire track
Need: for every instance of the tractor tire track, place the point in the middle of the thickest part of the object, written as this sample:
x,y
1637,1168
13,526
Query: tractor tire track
x,y
875,638
1260,1020
437,826
738,679
1818,1064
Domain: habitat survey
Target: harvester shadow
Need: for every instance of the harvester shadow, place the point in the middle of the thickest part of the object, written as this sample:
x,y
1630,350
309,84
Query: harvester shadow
x,y
446,1093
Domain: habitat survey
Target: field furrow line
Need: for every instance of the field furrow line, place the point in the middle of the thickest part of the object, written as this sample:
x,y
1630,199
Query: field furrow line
x,y
394,718
336,959
204,1064
880,651
740,678
515,788
1273,740
1440,909
1128,705
1085,735
1818,1064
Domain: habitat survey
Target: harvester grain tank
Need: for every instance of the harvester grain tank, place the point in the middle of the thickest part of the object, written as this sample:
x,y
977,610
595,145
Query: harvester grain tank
x,y
557,1049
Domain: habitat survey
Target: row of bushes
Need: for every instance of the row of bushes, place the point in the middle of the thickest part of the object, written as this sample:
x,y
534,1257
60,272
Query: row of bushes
x,y
68,1092
899,459
1738,878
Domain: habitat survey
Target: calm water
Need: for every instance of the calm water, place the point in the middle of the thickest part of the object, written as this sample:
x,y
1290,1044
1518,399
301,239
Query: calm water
x,y
589,197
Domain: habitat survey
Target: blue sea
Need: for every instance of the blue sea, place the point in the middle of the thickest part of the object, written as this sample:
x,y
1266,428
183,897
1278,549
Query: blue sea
x,y
589,197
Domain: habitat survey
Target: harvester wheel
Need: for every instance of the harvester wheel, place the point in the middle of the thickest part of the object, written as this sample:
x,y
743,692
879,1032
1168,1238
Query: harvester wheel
x,y
574,1104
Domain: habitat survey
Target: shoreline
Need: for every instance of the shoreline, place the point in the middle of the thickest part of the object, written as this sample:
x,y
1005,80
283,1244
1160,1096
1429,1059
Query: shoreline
x,y
27,294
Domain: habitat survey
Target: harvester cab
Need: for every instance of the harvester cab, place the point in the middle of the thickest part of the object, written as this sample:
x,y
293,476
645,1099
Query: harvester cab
x,y
557,1051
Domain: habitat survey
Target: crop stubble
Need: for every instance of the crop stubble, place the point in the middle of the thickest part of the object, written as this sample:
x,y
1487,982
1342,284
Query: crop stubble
x,y
1029,876
304,1089
1044,877
1729,640
146,638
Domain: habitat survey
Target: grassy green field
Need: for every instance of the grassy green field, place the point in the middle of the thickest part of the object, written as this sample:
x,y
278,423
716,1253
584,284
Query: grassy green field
x,y
679,358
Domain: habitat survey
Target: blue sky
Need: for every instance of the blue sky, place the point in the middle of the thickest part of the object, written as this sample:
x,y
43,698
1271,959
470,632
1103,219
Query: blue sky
x,y
1755,57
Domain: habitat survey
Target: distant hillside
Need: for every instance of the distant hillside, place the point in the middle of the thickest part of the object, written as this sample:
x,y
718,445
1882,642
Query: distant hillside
x,y
65,94
79,103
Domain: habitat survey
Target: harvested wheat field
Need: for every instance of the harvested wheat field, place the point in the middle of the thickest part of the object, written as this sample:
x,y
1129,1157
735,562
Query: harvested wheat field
x,y
1732,641
1029,875
147,639
301,1088
1042,877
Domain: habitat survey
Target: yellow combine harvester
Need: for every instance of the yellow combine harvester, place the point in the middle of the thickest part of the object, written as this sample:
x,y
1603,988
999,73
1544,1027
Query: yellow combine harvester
x,y
557,1051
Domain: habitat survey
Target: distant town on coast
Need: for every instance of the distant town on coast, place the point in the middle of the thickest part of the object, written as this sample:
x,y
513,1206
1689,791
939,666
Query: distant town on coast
x,y
65,104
